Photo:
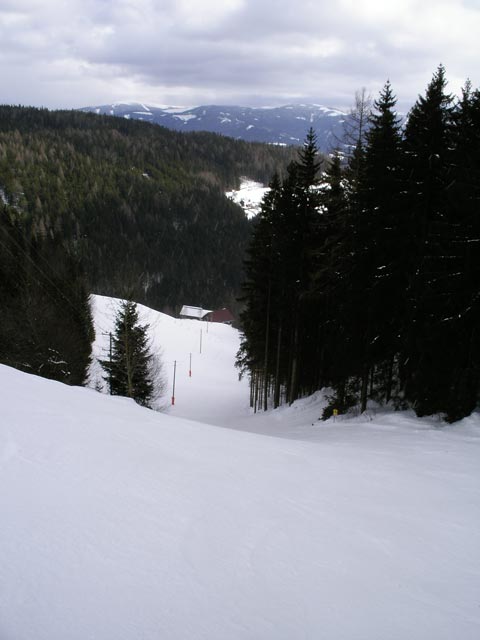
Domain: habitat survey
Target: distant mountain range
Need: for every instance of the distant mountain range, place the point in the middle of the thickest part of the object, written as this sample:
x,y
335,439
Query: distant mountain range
x,y
285,125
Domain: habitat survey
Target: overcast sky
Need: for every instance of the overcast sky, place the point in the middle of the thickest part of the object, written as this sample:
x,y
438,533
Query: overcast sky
x,y
73,53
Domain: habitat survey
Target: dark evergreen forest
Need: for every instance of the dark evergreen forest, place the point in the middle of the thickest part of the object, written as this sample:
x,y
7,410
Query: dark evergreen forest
x,y
368,281
142,207
46,325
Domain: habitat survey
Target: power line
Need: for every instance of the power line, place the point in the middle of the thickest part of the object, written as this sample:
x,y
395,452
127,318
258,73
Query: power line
x,y
42,273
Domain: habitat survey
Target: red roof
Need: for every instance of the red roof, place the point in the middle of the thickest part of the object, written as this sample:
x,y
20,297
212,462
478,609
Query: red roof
x,y
221,315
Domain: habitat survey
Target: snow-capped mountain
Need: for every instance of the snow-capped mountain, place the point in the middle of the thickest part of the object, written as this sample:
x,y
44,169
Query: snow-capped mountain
x,y
275,125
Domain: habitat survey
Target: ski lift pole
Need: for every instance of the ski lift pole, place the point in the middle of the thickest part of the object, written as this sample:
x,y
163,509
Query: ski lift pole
x,y
174,375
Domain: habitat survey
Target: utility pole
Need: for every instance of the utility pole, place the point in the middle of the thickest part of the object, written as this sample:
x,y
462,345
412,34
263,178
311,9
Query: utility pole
x,y
174,375
110,356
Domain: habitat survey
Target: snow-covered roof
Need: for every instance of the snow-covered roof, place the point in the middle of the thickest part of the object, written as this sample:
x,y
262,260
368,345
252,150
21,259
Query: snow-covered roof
x,y
194,312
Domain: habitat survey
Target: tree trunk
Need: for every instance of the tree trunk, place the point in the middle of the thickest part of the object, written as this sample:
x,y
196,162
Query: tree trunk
x,y
389,385
267,341
364,391
256,391
294,373
276,399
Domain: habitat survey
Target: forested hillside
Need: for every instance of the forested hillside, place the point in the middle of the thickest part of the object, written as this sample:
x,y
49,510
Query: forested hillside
x,y
142,207
369,283
45,320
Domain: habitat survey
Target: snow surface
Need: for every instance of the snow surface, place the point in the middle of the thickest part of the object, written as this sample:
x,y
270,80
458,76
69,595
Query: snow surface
x,y
249,196
186,117
120,523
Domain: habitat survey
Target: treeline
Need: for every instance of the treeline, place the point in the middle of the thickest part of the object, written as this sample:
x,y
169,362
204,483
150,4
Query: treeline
x,y
143,207
369,282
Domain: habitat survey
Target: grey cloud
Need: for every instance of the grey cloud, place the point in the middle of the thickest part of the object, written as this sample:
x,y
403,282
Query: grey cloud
x,y
238,50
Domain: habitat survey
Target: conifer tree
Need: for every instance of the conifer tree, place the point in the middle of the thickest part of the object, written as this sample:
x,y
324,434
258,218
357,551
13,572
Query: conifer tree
x,y
275,321
304,215
461,315
332,270
381,247
428,141
380,266
260,290
129,371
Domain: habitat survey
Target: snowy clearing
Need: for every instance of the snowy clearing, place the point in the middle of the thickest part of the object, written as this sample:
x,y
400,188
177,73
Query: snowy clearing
x,y
249,196
121,523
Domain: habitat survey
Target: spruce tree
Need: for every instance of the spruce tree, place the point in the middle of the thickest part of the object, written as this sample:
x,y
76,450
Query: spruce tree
x,y
381,239
330,284
129,371
428,344
277,348
380,266
303,218
260,293
461,316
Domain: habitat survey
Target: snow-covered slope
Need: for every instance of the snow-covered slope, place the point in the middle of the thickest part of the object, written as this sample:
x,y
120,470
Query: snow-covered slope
x,y
121,523
213,393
